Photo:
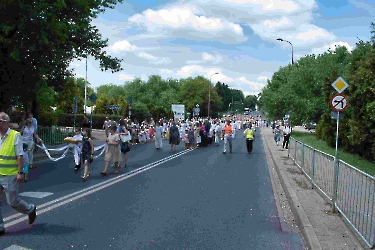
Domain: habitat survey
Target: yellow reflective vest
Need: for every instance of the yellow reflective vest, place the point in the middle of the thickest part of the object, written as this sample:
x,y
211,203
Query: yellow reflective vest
x,y
8,158
249,134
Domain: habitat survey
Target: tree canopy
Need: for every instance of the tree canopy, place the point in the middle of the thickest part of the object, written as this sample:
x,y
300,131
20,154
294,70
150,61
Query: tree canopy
x,y
38,41
304,91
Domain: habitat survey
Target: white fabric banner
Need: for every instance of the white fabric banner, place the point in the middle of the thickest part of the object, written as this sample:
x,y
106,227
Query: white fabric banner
x,y
75,150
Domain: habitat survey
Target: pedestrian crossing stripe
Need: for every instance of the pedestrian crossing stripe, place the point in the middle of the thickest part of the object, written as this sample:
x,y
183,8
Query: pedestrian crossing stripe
x,y
15,247
36,194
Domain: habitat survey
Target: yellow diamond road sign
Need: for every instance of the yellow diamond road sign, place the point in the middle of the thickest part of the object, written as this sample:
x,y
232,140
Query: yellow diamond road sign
x,y
340,85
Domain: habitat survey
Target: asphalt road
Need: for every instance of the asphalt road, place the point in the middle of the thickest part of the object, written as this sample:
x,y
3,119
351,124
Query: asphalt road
x,y
198,199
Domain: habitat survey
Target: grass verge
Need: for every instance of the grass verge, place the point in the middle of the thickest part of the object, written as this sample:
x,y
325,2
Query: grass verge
x,y
354,160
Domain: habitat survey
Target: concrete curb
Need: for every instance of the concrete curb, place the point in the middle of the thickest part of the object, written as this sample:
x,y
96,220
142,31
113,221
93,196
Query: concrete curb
x,y
301,218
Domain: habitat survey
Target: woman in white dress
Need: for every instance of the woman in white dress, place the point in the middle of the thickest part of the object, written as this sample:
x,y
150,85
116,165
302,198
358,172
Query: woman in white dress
x,y
158,136
28,133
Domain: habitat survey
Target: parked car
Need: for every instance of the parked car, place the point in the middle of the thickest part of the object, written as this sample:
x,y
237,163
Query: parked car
x,y
310,125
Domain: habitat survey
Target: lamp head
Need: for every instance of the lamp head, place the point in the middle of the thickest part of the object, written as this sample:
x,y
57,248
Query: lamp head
x,y
279,39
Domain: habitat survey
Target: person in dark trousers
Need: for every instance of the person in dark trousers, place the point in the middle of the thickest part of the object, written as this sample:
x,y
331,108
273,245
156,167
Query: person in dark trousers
x,y
174,136
287,131
207,127
250,137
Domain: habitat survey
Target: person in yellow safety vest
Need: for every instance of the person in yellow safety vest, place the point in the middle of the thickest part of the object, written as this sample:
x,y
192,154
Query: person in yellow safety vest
x,y
250,137
11,166
228,132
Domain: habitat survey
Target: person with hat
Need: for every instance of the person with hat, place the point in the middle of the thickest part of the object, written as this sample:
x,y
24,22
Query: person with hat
x,y
11,170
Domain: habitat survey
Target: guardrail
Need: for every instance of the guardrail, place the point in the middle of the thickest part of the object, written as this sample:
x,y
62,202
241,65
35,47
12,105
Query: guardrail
x,y
355,190
53,136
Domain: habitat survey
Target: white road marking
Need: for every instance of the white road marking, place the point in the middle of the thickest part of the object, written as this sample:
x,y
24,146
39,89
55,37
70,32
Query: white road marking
x,y
36,194
84,192
15,247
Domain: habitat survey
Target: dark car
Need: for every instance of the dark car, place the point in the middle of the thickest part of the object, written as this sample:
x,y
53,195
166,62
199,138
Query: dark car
x,y
310,125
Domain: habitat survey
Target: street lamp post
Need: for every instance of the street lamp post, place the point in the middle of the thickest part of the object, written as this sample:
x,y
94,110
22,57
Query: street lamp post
x,y
282,40
209,95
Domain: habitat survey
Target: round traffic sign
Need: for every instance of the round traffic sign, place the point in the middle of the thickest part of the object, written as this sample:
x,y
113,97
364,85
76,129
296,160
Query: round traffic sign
x,y
338,102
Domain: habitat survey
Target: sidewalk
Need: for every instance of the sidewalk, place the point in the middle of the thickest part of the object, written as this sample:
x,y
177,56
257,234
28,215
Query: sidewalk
x,y
320,229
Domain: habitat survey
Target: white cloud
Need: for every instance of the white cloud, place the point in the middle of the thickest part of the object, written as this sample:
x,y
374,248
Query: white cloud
x,y
262,78
268,5
146,56
168,71
125,77
272,24
331,46
312,34
189,70
153,59
211,58
122,46
178,19
257,86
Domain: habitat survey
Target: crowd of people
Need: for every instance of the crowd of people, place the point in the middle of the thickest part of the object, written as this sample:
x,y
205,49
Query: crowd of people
x,y
16,148
194,133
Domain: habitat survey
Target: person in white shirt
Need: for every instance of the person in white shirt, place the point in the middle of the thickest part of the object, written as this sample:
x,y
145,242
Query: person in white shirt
x,y
106,125
286,131
158,136
77,148
218,130
28,132
234,125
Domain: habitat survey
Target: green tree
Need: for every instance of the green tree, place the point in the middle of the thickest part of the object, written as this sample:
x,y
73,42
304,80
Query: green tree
x,y
250,101
42,39
101,105
124,106
65,98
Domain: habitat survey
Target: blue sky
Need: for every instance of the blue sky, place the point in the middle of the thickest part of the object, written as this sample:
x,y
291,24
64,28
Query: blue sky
x,y
236,38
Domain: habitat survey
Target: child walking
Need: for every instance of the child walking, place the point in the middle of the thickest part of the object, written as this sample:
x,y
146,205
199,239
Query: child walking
x,y
87,152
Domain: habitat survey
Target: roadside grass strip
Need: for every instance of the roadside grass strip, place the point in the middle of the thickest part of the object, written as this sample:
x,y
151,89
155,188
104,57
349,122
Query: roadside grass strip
x,y
354,160
48,206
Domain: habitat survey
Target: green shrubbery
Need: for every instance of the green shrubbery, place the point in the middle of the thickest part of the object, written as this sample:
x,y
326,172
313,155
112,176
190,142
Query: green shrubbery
x,y
304,91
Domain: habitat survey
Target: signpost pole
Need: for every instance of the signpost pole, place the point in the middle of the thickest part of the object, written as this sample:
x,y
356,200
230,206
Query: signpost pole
x,y
336,165
75,112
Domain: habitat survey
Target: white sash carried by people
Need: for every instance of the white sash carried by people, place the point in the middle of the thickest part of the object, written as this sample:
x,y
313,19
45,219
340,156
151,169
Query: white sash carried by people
x,y
126,138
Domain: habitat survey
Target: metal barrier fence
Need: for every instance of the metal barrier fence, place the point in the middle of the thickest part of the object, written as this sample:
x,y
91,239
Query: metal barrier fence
x,y
53,136
355,189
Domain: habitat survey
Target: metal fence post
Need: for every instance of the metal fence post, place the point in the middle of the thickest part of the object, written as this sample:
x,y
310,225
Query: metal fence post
x,y
295,152
313,169
303,157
